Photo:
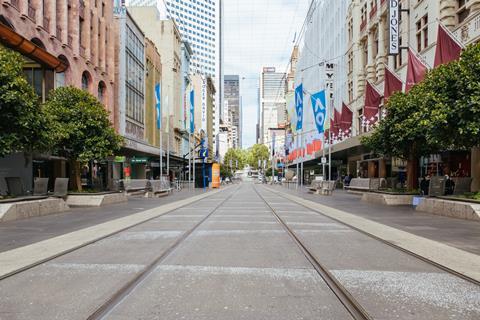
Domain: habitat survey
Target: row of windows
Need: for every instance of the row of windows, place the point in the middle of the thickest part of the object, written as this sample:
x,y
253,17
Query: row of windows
x,y
200,3
199,47
134,105
135,45
196,27
197,33
201,22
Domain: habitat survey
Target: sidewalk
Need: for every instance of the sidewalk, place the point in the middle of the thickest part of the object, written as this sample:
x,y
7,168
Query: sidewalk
x,y
14,234
462,234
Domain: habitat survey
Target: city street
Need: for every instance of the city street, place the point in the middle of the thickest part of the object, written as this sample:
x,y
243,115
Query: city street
x,y
246,252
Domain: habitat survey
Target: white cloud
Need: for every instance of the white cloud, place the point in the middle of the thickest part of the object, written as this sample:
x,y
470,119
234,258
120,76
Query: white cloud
x,y
258,33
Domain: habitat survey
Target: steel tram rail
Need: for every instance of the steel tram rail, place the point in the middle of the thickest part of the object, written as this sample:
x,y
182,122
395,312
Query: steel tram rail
x,y
393,245
117,298
53,257
346,299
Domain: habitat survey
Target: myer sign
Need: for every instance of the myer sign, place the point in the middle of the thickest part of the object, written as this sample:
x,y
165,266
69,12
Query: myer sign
x,y
394,25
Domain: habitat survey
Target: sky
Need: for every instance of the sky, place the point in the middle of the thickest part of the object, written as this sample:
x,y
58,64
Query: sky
x,y
258,33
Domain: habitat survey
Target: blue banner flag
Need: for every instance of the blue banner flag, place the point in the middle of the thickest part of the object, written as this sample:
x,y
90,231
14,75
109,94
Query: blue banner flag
x,y
192,111
319,110
299,106
158,98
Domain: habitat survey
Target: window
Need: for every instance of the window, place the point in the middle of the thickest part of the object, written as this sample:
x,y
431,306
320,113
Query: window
x,y
102,88
85,80
462,11
422,33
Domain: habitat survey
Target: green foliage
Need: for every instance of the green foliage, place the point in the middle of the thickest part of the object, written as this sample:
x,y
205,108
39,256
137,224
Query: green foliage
x,y
80,125
235,155
225,171
268,172
257,152
440,113
22,120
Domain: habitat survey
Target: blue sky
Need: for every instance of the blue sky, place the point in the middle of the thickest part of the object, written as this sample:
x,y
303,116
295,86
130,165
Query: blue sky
x,y
258,33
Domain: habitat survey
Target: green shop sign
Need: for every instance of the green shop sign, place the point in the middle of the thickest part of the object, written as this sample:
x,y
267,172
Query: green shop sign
x,y
119,159
139,160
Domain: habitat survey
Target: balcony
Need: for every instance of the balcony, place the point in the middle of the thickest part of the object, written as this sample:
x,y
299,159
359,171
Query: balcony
x,y
31,12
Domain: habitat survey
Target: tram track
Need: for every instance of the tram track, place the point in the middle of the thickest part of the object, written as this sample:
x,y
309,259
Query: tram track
x,y
86,244
390,244
109,305
343,295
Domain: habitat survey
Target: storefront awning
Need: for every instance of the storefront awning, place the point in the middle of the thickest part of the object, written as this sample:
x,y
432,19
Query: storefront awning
x,y
15,41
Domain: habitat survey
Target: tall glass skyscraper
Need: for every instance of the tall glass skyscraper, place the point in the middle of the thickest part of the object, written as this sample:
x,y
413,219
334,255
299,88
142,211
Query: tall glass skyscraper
x,y
199,22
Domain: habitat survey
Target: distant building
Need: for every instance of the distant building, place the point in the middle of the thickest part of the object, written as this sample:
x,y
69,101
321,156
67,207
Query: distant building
x,y
272,113
232,98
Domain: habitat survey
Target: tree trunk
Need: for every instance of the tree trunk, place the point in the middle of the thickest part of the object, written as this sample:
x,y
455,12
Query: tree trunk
x,y
412,173
75,179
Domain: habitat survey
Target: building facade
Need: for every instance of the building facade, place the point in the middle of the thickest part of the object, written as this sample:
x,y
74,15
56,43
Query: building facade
x,y
166,36
234,111
199,23
64,43
272,112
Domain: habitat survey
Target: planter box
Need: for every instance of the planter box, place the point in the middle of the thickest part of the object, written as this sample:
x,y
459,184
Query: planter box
x,y
389,199
34,208
95,199
450,208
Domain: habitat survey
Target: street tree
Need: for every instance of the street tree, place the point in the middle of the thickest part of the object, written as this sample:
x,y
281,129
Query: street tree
x,y
81,128
22,120
440,113
258,152
233,156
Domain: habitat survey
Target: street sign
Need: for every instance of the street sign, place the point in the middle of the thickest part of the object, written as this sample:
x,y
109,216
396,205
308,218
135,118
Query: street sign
x,y
203,153
324,160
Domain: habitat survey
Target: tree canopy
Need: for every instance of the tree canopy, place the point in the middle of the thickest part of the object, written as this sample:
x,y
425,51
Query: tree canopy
x,y
235,155
80,125
257,152
440,113
22,120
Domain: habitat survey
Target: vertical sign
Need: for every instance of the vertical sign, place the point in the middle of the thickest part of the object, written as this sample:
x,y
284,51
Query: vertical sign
x,y
299,106
393,26
319,106
158,98
192,111
330,80
204,105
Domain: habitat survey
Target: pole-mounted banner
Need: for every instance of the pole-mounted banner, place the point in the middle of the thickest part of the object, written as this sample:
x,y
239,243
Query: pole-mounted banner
x,y
319,105
158,98
299,106
192,111
393,26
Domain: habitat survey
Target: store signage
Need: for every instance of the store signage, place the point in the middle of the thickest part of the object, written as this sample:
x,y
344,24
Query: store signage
x,y
204,105
394,26
139,160
119,159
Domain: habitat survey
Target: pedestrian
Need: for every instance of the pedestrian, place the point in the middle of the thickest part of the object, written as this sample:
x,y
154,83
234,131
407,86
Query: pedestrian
x,y
449,185
424,185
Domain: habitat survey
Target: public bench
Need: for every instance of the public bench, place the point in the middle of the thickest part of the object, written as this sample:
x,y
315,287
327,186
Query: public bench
x,y
160,187
322,187
359,184
135,186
